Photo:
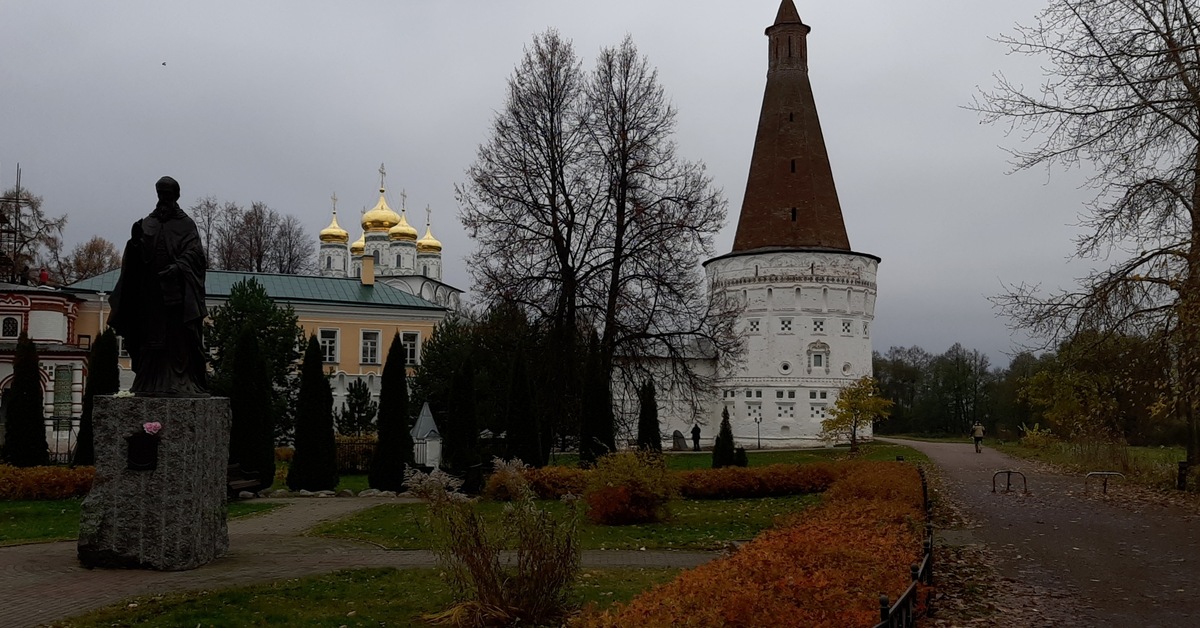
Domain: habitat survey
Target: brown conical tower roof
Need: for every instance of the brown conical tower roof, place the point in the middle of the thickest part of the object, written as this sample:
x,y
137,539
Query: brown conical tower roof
x,y
791,201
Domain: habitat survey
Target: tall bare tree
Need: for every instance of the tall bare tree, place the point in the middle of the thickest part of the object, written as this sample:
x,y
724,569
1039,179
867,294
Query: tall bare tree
x,y
29,239
258,239
583,213
1123,94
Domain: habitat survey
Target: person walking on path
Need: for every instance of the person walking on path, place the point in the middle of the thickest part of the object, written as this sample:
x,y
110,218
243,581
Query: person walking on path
x,y
696,437
977,432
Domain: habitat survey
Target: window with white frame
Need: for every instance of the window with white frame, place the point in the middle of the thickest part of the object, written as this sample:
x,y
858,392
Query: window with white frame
x,y
818,325
753,325
818,357
846,327
412,349
785,411
370,347
10,327
329,345
866,329
817,412
785,325
122,351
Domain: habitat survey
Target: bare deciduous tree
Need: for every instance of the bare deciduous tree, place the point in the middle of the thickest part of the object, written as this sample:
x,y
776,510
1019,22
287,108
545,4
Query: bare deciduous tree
x,y
583,213
1123,94
29,239
258,239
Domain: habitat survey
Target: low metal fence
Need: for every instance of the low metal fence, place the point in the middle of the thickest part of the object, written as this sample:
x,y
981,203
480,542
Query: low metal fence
x,y
61,435
903,614
354,454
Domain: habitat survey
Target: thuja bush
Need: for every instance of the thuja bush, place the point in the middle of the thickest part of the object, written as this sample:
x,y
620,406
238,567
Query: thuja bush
x,y
529,589
770,481
629,487
45,482
824,569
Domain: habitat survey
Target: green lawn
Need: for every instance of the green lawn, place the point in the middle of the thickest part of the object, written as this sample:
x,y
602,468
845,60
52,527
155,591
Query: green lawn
x,y
364,597
695,524
58,519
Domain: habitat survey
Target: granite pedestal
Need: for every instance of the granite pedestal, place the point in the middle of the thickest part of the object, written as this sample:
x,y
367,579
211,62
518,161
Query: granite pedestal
x,y
158,501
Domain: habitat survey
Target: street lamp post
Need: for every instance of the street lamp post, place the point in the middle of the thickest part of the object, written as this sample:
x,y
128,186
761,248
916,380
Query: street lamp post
x,y
758,424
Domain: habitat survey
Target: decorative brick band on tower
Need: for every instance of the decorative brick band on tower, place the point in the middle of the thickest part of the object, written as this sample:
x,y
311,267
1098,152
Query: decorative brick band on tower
x,y
791,200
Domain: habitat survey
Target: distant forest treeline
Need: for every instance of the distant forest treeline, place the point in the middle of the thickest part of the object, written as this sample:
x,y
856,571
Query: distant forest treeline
x,y
1092,386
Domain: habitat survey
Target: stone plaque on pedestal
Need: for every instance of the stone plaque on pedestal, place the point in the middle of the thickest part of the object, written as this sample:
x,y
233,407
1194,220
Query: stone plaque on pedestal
x,y
158,500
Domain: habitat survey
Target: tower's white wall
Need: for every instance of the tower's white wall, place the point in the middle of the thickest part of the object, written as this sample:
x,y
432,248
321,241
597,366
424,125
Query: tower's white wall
x,y
333,259
429,265
404,252
798,305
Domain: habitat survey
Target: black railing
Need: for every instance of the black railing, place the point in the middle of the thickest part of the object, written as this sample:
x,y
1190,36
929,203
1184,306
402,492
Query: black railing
x,y
903,614
354,454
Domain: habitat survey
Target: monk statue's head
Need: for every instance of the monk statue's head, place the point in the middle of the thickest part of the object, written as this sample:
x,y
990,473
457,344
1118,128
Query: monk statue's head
x,y
168,189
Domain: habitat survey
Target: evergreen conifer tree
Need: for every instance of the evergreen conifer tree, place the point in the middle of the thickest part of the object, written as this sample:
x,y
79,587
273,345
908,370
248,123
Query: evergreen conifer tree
x,y
460,430
104,378
524,429
314,467
649,435
596,437
723,454
394,450
25,428
252,433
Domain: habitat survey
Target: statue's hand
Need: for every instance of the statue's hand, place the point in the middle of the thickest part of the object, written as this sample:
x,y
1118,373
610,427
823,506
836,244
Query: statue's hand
x,y
168,272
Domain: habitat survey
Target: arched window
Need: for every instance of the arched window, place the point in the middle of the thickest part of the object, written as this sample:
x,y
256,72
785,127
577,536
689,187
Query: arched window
x,y
375,256
10,327
425,270
399,262
329,261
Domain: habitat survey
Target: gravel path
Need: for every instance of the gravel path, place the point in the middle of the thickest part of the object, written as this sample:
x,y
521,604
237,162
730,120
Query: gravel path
x,y
42,583
1075,557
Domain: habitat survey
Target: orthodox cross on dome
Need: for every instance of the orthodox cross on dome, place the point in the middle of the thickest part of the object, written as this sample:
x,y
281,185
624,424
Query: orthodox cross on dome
x,y
428,216
403,198
334,199
382,174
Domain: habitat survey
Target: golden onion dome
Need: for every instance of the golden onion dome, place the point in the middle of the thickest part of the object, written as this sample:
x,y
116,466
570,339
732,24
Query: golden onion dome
x,y
359,245
403,231
334,232
428,243
381,217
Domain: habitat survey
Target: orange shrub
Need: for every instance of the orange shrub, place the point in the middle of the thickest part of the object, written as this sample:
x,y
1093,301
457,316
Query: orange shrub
x,y
45,482
769,481
629,487
554,482
826,568
284,454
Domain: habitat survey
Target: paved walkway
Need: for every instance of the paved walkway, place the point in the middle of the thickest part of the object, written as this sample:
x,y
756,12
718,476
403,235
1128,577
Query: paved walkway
x,y
1121,562
42,583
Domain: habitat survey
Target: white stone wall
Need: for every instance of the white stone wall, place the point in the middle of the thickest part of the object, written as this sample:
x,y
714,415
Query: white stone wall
x,y
333,259
47,326
429,265
377,241
406,252
807,324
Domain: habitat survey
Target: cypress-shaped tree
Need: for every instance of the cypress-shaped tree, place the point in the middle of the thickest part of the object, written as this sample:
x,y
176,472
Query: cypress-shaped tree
x,y
25,428
649,435
596,435
524,429
104,378
252,433
459,426
314,467
723,454
394,450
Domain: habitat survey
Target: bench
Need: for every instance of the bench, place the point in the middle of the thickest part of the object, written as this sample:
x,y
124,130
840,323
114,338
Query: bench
x,y
237,480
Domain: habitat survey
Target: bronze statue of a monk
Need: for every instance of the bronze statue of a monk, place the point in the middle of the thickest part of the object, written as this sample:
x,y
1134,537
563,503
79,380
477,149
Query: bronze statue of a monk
x,y
158,303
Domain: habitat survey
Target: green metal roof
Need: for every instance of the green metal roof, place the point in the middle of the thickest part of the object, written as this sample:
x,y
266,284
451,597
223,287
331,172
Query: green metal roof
x,y
289,289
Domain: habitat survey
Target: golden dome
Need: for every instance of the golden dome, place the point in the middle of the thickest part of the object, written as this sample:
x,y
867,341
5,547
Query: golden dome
x,y
428,243
359,245
403,230
381,217
334,232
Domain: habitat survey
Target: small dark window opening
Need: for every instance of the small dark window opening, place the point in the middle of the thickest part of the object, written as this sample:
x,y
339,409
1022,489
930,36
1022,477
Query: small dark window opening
x,y
329,262
793,166
375,257
756,270
791,117
793,214
399,263
789,47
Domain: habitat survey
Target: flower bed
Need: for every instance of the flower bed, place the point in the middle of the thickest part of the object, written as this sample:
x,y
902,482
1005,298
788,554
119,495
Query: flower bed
x,y
824,568
45,482
774,480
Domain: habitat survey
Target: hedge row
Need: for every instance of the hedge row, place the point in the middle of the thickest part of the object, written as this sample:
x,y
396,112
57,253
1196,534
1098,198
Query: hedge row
x,y
45,482
770,481
826,568
726,483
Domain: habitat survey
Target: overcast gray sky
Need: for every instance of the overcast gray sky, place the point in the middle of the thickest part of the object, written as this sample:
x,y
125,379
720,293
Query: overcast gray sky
x,y
289,102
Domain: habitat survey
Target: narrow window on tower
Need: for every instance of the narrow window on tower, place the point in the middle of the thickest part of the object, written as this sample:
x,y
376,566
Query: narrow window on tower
x,y
793,165
789,47
793,214
791,117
